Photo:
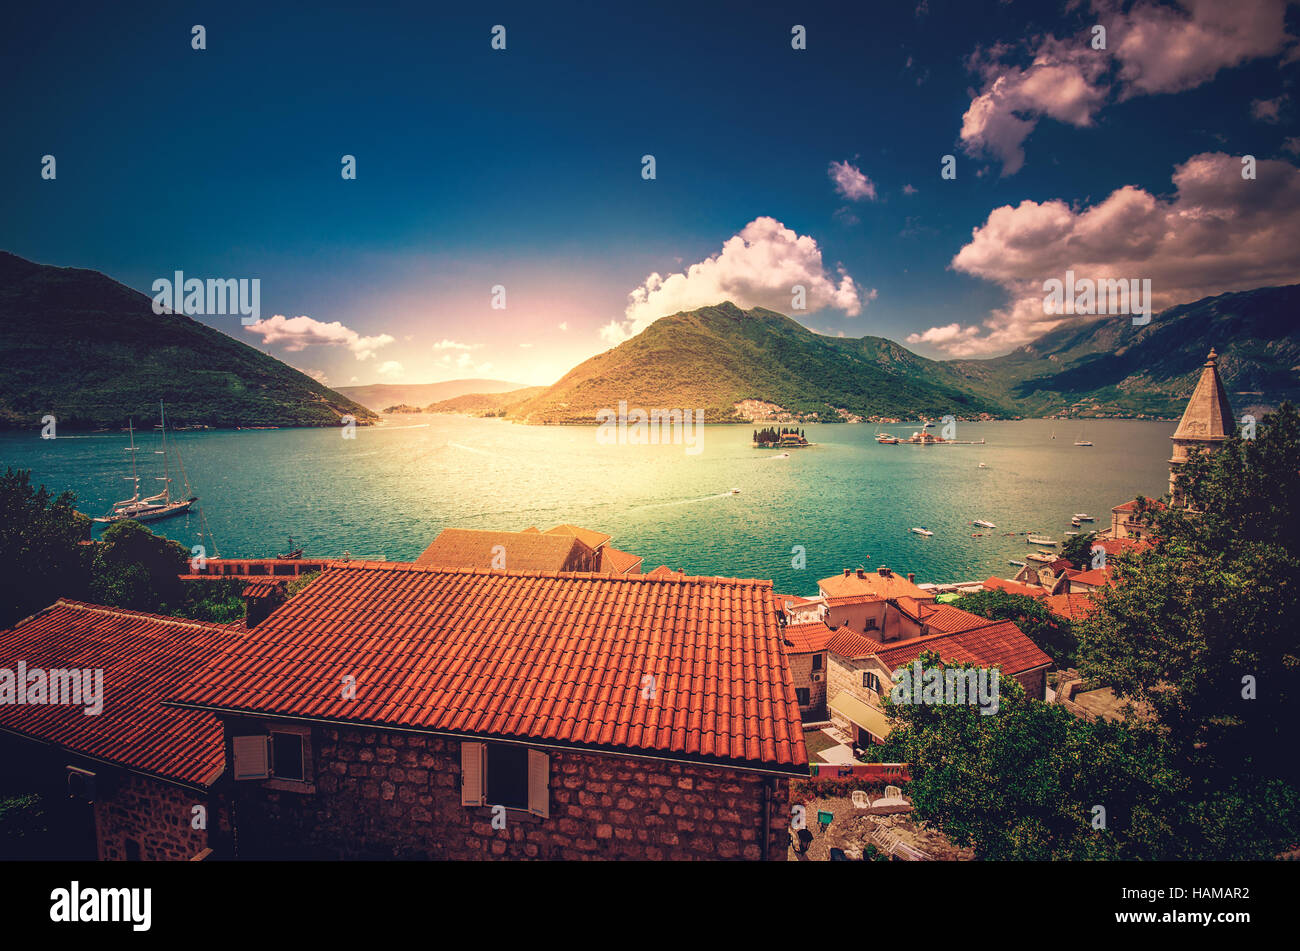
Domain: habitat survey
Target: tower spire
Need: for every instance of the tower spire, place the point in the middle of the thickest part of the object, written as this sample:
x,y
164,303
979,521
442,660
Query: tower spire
x,y
1207,421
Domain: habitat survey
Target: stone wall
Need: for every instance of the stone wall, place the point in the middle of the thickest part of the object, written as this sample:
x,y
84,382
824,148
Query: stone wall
x,y
390,794
801,673
156,816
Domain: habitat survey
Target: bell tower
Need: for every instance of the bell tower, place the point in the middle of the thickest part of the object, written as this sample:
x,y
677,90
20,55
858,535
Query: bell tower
x,y
1206,422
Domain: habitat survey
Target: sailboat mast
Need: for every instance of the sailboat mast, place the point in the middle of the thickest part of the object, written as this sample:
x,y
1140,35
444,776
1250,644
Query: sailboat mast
x,y
135,476
167,482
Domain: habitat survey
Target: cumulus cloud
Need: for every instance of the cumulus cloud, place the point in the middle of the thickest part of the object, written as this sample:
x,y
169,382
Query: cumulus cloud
x,y
1153,48
446,344
390,369
851,183
298,333
755,268
318,375
1215,233
1163,49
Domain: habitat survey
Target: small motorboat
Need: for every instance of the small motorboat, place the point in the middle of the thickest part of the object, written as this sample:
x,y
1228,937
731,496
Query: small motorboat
x,y
1071,534
294,554
1018,564
981,466
1082,442
1083,517
735,492
983,524
922,531
1040,540
780,455
1041,558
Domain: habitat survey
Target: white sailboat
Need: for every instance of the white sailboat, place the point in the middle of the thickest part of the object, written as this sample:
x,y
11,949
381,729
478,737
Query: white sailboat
x,y
153,507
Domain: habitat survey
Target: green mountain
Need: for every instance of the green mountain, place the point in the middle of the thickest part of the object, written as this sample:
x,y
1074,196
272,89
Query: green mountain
x,y
717,357
91,351
1108,366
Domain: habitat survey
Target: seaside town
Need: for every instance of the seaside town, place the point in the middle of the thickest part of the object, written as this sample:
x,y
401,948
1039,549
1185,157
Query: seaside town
x,y
537,693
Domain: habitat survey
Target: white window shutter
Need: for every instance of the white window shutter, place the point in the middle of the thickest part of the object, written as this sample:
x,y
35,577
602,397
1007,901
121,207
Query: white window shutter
x,y
539,784
471,774
252,757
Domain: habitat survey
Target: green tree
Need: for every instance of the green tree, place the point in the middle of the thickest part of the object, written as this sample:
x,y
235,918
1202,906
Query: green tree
x,y
1078,550
134,568
1055,635
40,558
1200,632
1024,783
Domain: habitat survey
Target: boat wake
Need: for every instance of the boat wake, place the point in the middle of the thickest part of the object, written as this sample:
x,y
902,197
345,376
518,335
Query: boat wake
x,y
703,498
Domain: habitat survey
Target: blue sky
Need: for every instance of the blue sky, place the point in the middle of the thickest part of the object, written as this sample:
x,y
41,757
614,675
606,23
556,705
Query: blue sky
x,y
478,167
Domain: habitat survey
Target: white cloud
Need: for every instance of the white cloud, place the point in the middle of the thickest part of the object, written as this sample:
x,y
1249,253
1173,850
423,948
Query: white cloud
x,y
318,375
1153,48
1163,49
563,325
526,346
463,361
446,344
298,333
755,268
851,183
390,369
1216,233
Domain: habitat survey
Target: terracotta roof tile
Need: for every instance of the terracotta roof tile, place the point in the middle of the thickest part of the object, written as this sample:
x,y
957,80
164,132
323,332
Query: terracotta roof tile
x,y
874,585
1011,587
143,657
806,638
543,656
591,539
998,643
613,561
529,551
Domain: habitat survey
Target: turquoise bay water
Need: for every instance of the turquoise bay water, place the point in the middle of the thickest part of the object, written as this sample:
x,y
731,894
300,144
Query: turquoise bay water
x,y
847,501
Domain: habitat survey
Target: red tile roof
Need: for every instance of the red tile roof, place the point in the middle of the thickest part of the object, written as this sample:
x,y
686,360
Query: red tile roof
x,y
1011,587
807,638
1116,546
874,584
663,571
528,551
143,657
1131,506
946,618
836,601
998,643
1097,577
1072,607
544,656
849,643
591,539
262,588
613,561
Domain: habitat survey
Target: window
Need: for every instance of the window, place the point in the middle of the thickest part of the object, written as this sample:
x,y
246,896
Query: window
x,y
817,661
801,694
505,774
287,759
870,681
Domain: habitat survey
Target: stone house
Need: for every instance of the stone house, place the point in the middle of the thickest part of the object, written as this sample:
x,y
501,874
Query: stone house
x,y
137,779
392,710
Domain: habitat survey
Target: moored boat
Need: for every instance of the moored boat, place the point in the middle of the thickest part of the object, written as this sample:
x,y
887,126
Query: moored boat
x,y
1084,517
922,531
1040,540
983,524
153,507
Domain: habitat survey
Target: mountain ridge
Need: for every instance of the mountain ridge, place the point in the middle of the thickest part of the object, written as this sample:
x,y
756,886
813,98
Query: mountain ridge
x,y
90,351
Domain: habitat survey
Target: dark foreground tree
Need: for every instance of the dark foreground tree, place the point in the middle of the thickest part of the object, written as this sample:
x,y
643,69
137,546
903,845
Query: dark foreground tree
x,y
40,558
